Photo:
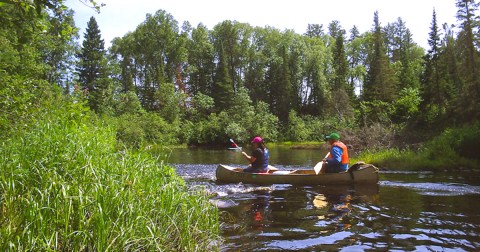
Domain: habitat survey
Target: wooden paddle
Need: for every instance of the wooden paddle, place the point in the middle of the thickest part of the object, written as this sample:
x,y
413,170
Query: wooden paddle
x,y
319,165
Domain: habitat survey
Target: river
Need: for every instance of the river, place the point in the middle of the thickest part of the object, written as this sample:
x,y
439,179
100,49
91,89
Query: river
x,y
406,211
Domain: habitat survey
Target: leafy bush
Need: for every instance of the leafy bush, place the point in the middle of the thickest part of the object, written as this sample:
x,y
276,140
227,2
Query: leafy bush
x,y
452,149
128,103
309,128
407,105
136,129
375,112
129,130
452,143
240,122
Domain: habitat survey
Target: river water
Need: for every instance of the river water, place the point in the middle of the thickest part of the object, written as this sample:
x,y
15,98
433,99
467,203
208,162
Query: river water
x,y
406,211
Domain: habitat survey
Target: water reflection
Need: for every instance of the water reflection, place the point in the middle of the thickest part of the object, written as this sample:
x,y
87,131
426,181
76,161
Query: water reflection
x,y
259,210
289,217
407,211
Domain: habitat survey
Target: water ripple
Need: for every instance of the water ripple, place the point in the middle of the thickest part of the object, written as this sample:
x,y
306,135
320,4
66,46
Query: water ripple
x,y
436,189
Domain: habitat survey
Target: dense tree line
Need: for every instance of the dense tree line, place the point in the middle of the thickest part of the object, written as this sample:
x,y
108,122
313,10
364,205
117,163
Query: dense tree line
x,y
172,83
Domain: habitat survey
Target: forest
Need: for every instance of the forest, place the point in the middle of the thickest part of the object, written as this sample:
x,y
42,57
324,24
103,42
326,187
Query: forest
x,y
169,84
75,118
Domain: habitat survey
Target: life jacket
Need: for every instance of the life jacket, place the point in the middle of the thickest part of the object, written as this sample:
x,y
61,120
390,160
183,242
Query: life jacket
x,y
345,159
262,163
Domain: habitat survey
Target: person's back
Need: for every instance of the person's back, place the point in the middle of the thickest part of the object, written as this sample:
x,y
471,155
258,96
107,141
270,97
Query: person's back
x,y
262,156
259,158
338,159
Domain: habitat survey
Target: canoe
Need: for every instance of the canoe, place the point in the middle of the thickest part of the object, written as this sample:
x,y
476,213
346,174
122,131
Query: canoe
x,y
235,149
359,173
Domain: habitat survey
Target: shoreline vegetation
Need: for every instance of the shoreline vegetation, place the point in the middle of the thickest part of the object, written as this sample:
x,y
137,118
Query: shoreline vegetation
x,y
67,187
454,149
76,121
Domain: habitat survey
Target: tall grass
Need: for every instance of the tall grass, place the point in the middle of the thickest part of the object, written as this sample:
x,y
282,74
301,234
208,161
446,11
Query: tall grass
x,y
64,186
453,149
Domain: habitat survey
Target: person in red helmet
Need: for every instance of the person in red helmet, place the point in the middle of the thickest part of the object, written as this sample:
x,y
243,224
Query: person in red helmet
x,y
259,158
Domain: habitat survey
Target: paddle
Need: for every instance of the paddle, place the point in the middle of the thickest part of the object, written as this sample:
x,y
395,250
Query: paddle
x,y
231,140
319,165
270,168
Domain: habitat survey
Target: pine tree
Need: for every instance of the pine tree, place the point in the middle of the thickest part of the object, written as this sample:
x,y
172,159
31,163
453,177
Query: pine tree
x,y
92,67
381,82
341,91
432,91
469,97
222,88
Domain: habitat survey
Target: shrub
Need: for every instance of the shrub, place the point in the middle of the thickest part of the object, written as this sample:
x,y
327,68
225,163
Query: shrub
x,y
135,130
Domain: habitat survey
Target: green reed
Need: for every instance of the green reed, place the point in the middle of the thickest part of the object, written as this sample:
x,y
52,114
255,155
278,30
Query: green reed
x,y
64,186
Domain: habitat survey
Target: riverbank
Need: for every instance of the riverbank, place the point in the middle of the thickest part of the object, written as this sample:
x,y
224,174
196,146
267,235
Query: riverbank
x,y
454,149
67,187
310,145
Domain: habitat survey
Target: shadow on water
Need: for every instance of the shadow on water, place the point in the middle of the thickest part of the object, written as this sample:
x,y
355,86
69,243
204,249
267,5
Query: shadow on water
x,y
407,211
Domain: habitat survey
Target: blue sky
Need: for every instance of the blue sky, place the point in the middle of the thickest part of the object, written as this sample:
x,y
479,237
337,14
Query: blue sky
x,y
120,16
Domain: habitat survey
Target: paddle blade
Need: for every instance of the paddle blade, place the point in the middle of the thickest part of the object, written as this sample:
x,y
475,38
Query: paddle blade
x,y
271,168
318,167
231,140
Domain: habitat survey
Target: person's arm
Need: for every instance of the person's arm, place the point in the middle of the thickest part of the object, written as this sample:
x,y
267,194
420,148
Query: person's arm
x,y
250,159
336,155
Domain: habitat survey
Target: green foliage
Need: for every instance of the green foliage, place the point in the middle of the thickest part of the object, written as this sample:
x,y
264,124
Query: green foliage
x,y
297,129
169,102
309,128
128,103
65,187
136,130
240,122
453,149
375,112
92,68
203,104
407,104
380,84
264,123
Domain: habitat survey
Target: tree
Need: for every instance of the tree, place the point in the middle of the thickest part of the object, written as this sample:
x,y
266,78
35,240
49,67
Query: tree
x,y
222,90
315,31
404,54
315,81
356,51
469,98
200,61
433,92
58,49
341,91
92,67
381,82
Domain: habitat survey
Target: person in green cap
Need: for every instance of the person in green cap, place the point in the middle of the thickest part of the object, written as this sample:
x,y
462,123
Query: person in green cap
x,y
337,160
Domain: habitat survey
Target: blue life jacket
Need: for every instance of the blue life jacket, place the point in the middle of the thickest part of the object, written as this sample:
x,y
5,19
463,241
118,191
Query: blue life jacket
x,y
262,162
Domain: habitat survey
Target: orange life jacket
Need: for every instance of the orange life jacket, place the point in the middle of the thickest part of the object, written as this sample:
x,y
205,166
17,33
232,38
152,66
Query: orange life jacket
x,y
345,159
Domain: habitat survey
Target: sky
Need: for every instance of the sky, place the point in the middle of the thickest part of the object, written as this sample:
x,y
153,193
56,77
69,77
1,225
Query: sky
x,y
118,17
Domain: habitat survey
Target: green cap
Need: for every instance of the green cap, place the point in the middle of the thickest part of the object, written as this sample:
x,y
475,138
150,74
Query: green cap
x,y
333,136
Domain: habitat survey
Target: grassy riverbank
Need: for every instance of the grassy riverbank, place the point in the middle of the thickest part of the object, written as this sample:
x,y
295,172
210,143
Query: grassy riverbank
x,y
454,149
299,145
66,187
